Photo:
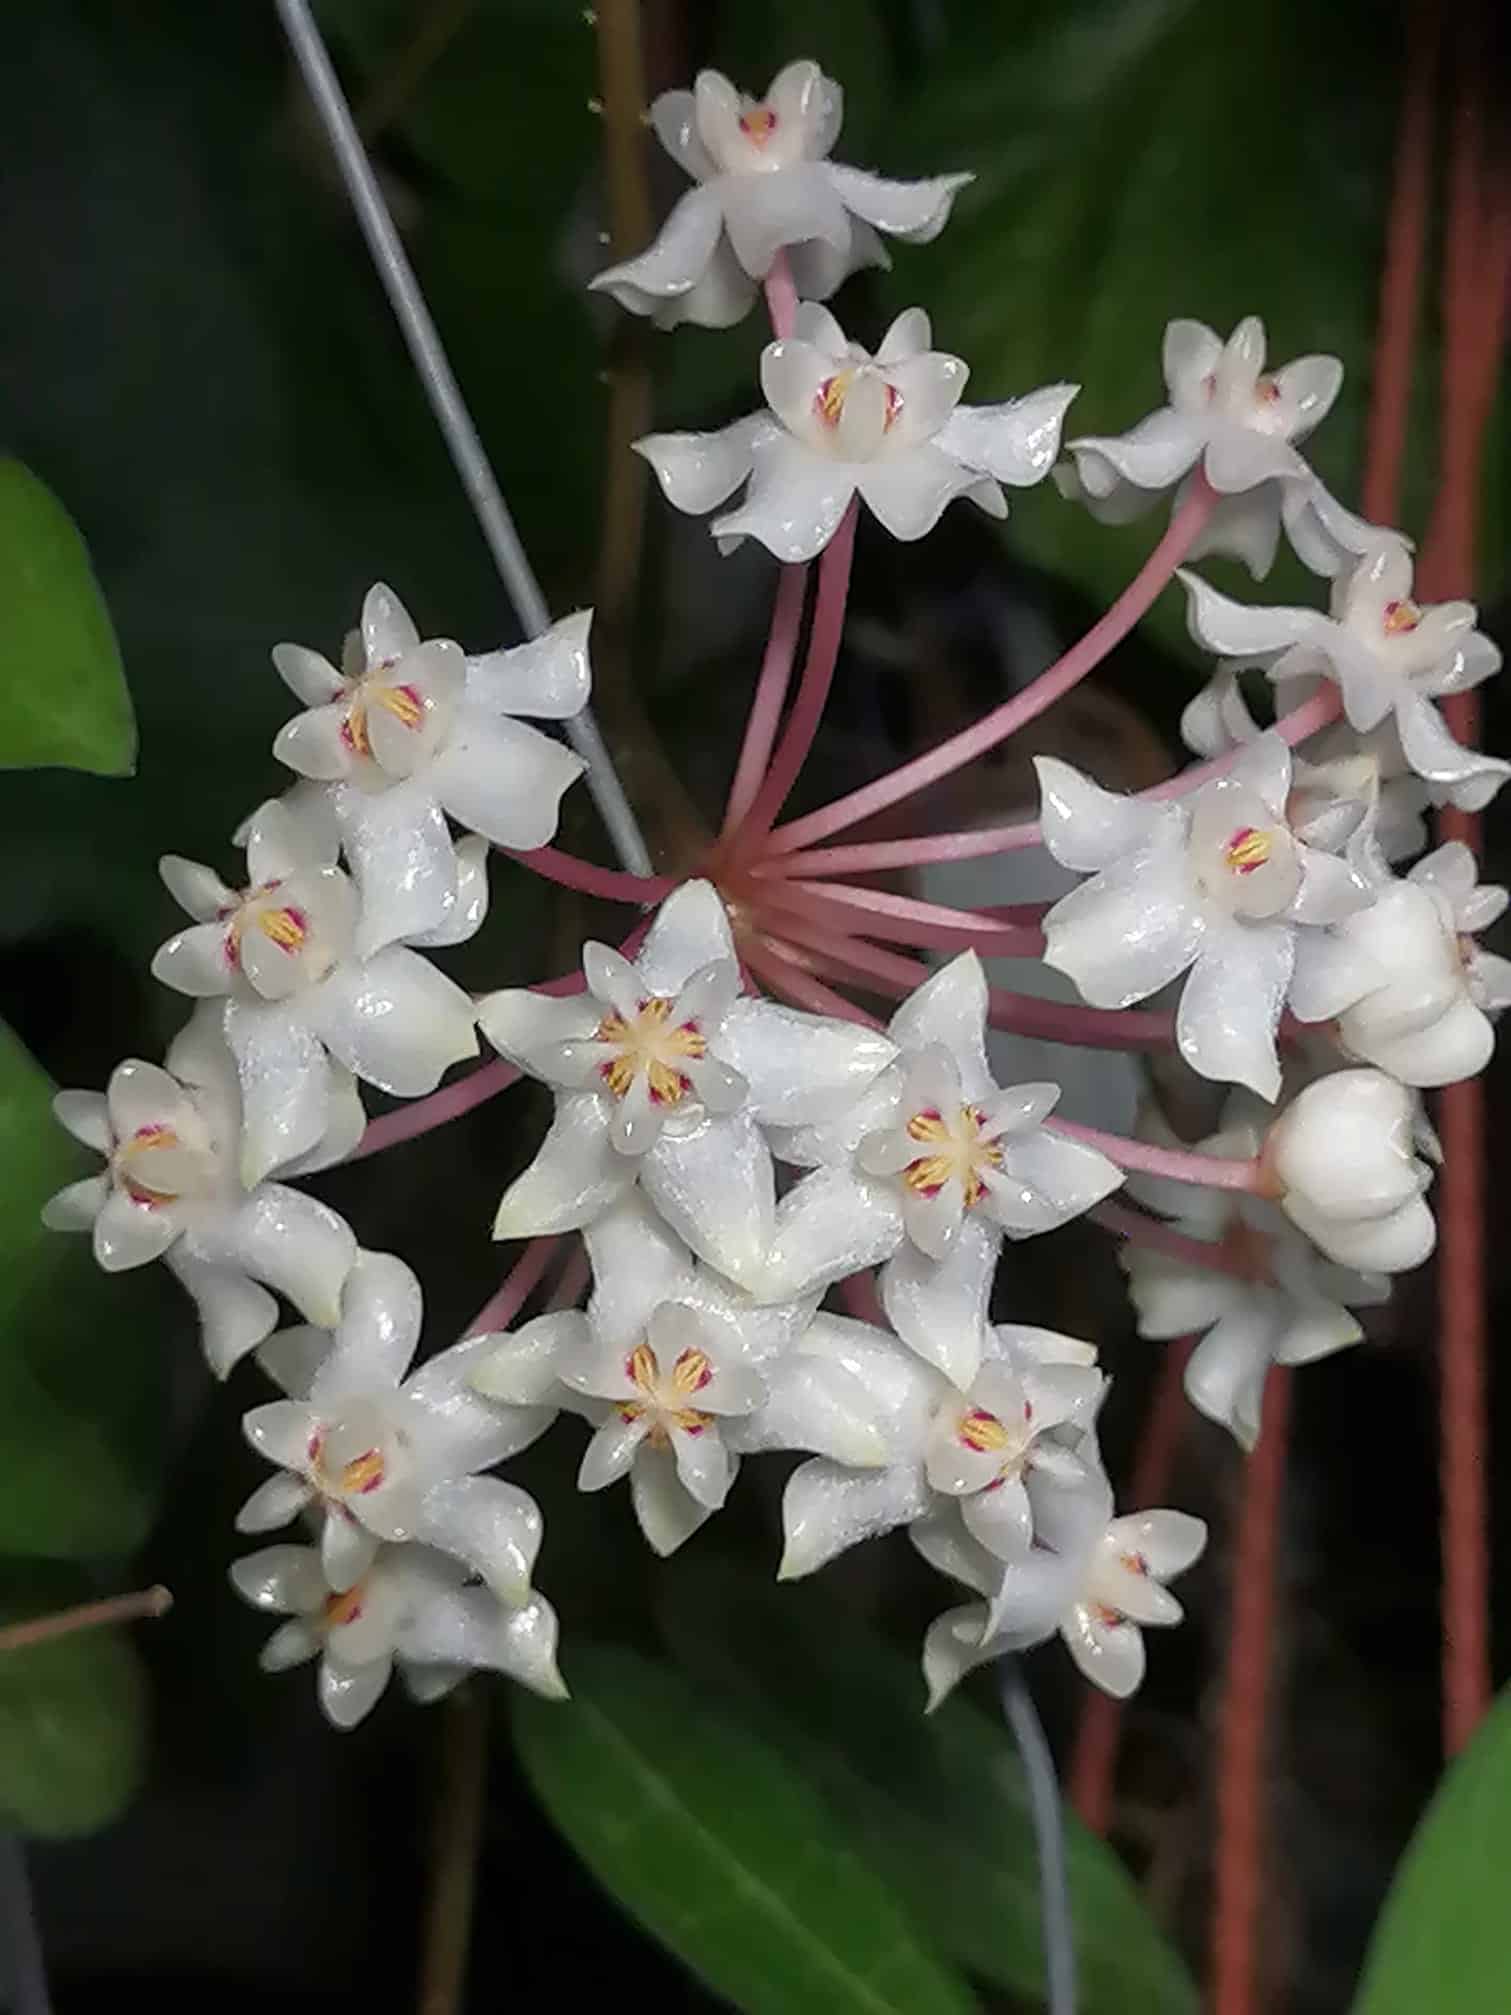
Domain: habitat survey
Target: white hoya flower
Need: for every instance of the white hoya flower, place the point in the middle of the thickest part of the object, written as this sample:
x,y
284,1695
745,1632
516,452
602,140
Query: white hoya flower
x,y
413,1609
171,1190
407,732
1390,656
664,1075
1269,1296
1341,769
385,1456
1409,988
1218,883
670,1359
929,1169
1236,423
1342,1165
281,953
1101,1588
764,182
897,1441
842,423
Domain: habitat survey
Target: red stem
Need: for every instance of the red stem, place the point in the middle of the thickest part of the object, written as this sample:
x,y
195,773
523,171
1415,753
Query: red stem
x,y
1082,657
135,1608
1242,1718
610,883
518,1284
770,692
781,294
905,920
773,962
1174,1163
813,691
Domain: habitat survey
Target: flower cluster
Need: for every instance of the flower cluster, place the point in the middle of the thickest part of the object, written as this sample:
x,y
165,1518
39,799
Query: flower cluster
x,y
735,1141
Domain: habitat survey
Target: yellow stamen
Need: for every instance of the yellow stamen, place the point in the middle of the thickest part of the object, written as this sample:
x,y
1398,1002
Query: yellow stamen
x,y
129,1163
362,1474
344,1608
983,1432
691,1372
758,124
1401,617
646,1043
959,1156
288,927
1248,849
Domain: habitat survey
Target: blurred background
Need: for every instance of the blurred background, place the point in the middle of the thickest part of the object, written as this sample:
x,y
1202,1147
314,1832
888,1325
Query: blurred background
x,y
195,357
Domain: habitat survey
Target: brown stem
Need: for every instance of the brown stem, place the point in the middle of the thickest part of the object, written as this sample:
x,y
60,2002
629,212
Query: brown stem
x,y
673,829
146,1602
458,1830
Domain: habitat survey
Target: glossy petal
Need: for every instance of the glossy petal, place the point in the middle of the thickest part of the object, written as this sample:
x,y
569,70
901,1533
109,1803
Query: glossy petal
x,y
667,1511
716,1189
1152,456
1230,1005
315,744
297,1246
827,1509
676,259
800,1067
503,779
235,1313
494,1527
1127,932
832,1224
1433,753
698,471
762,213
795,501
691,930
939,1308
520,1365
548,679
285,1085
401,854
1237,630
916,212
1087,828
1016,442
86,1115
128,1234
575,1176
395,1020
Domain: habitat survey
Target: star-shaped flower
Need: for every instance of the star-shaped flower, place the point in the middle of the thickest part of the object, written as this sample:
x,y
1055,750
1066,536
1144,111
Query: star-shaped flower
x,y
1237,424
764,182
1101,1585
842,423
1410,989
1218,883
385,1456
171,1190
670,1361
1343,1166
1269,1297
665,1075
1390,656
281,952
407,732
413,1609
928,1170
897,1441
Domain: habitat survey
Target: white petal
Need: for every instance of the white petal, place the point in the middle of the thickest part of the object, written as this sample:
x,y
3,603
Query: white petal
x,y
235,1314
293,1356
705,1467
394,1019
285,1084
1238,458
831,1224
347,1550
1110,1654
349,1693
315,744
1189,356
141,1095
503,779
795,501
128,1234
548,679
387,631
939,1308
530,1028
1392,1244
401,854
520,1366
1127,932
1002,1520
691,930
909,490
715,1187
675,260
1087,828
916,212
1045,1180
1330,975
1152,456
1457,1045
1237,630
800,1067
307,675
762,213
668,1512
1016,442
468,1628
76,1207
1167,1541
1243,527
826,1509
294,1244
1230,1005
274,1503
493,1526
1432,752
575,1176
698,471
280,1579
673,116
817,1404
378,1332
464,914
949,1009
1225,1375
86,1115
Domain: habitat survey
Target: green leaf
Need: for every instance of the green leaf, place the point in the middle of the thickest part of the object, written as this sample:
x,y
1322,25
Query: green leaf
x,y
72,1715
938,1803
80,1384
722,1852
1441,1938
63,697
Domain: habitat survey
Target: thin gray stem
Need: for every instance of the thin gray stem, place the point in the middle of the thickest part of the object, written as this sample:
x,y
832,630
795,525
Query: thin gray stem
x,y
449,407
23,1975
1049,1836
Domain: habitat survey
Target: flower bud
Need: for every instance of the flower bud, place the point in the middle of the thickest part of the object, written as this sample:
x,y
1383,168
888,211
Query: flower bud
x,y
1342,1155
